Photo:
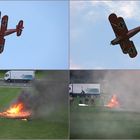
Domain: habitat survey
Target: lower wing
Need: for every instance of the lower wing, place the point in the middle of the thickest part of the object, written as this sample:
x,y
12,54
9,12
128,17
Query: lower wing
x,y
128,46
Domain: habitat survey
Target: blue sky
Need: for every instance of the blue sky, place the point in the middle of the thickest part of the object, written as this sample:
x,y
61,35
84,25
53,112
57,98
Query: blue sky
x,y
44,41
91,34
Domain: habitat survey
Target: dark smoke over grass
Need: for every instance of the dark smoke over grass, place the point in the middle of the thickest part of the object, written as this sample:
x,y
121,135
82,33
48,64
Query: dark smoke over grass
x,y
47,95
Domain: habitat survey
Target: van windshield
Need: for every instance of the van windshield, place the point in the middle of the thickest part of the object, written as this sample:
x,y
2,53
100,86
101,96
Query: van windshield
x,y
6,75
92,90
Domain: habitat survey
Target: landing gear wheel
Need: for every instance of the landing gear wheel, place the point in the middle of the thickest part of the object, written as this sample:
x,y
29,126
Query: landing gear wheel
x,y
1,49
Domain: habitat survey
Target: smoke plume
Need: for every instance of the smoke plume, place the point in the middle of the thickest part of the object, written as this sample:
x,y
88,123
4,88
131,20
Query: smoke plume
x,y
125,85
47,94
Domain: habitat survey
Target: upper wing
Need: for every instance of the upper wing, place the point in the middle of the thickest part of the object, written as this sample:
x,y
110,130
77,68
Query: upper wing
x,y
118,25
128,46
4,23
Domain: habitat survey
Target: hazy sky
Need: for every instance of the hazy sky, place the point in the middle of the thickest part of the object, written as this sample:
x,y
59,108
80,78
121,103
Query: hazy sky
x,y
91,34
44,42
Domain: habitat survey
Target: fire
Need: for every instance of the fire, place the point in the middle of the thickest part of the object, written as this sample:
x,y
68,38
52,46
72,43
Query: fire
x,y
113,102
16,111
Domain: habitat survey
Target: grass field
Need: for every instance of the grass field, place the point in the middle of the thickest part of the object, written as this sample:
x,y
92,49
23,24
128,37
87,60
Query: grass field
x,y
100,122
2,73
45,128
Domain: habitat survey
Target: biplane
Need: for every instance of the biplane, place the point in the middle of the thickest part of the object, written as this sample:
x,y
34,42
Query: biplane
x,y
4,31
123,35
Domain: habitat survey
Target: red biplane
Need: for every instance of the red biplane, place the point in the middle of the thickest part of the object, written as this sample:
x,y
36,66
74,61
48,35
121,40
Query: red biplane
x,y
123,35
4,31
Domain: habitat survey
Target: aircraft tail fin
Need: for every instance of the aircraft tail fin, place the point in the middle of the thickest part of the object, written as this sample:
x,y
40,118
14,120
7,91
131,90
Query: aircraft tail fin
x,y
19,27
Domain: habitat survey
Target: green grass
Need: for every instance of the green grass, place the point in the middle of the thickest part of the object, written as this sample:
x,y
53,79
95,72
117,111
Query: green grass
x,y
100,122
39,74
2,73
32,129
7,95
50,127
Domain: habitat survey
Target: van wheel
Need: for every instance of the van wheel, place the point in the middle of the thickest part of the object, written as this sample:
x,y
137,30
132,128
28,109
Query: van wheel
x,y
9,80
25,81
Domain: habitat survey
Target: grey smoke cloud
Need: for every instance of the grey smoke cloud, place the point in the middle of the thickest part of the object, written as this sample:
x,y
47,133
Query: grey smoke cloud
x,y
125,84
47,95
96,122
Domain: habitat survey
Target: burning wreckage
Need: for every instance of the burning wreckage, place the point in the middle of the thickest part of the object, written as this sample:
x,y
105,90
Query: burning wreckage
x,y
34,103
26,104
16,111
113,103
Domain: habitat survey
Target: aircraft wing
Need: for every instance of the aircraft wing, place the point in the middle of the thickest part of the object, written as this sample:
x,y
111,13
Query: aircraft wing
x,y
118,25
4,23
128,46
132,51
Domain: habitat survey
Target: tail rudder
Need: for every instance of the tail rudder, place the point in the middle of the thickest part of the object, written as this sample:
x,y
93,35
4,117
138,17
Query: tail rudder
x,y
19,27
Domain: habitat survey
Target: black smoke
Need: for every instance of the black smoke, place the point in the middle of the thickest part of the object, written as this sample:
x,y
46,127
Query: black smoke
x,y
47,94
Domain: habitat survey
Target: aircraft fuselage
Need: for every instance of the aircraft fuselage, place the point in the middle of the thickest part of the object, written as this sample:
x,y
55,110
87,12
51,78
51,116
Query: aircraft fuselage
x,y
128,35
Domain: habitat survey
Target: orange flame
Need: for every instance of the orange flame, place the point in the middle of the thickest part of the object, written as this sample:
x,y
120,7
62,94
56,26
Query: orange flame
x,y
16,108
16,111
113,102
